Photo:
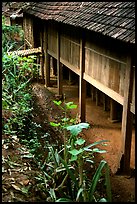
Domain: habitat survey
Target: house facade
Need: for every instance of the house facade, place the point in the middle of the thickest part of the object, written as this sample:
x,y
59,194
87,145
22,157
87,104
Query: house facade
x,y
96,41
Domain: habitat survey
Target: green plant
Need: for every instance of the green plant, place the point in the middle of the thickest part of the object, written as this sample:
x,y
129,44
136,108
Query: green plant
x,y
12,36
73,163
17,73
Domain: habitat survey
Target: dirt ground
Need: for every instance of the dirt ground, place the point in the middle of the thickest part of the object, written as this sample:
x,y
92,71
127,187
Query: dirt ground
x,y
19,172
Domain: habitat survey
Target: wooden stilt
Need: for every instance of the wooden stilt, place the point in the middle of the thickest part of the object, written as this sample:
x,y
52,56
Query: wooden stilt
x,y
46,57
82,84
127,119
42,56
93,93
105,102
97,97
54,63
59,67
70,76
113,111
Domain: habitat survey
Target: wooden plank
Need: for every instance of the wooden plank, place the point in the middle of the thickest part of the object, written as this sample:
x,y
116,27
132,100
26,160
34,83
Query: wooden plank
x,y
66,63
46,57
114,78
51,53
107,56
82,84
70,66
122,77
59,67
109,92
127,118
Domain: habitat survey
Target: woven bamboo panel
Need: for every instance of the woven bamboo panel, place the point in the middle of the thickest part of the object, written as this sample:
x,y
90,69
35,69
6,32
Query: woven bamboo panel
x,y
27,52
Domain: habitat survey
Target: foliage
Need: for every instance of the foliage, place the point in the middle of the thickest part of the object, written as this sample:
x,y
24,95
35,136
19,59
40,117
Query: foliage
x,y
12,36
17,73
72,165
64,174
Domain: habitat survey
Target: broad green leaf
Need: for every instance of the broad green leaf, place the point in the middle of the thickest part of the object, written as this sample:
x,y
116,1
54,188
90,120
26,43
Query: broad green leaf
x,y
70,105
73,158
80,141
76,129
75,151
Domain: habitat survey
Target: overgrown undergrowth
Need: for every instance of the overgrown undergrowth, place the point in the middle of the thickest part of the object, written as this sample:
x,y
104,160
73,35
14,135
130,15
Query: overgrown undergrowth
x,y
68,169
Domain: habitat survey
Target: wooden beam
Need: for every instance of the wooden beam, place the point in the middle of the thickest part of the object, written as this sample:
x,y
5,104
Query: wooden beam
x,y
59,67
82,84
127,118
46,57
109,92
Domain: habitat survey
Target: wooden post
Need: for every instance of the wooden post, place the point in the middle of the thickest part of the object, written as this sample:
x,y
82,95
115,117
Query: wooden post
x,y
127,119
82,84
46,57
70,76
92,93
104,102
38,62
42,55
97,97
59,67
54,63
113,111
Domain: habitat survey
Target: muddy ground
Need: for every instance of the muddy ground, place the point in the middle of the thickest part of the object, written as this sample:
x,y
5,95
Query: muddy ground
x,y
18,183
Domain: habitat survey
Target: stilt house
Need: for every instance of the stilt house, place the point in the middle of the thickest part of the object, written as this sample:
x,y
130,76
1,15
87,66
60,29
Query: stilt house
x,y
96,41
